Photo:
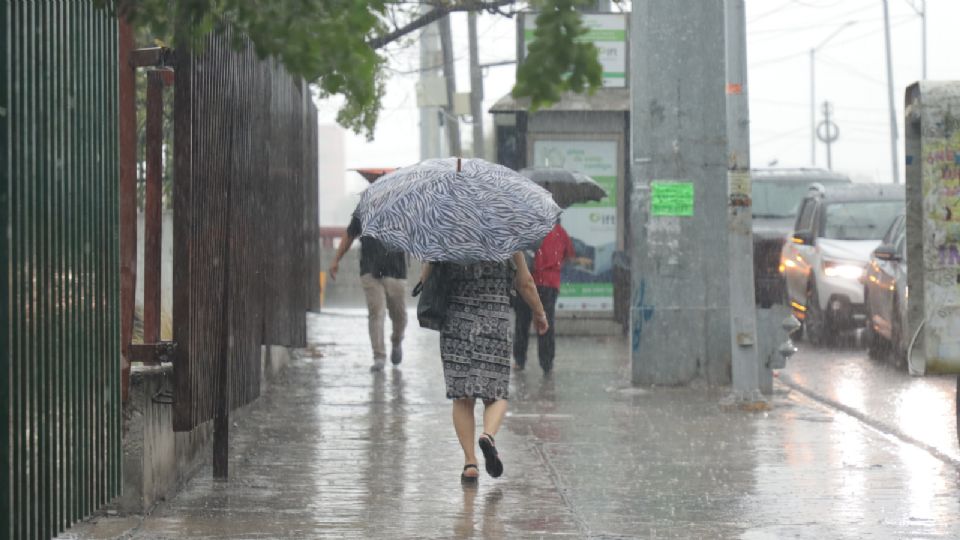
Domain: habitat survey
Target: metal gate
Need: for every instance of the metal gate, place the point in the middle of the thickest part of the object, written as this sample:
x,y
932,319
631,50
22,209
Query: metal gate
x,y
59,266
245,222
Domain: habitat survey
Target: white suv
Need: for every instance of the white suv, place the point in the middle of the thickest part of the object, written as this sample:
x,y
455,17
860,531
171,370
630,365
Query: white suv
x,y
836,231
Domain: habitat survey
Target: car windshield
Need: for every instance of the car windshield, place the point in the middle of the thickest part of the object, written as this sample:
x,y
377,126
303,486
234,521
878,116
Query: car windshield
x,y
780,199
861,220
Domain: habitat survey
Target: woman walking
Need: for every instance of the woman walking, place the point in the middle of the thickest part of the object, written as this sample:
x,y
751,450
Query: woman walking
x,y
475,346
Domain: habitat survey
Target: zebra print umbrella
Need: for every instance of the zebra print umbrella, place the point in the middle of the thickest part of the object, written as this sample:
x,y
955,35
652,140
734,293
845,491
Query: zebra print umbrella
x,y
456,210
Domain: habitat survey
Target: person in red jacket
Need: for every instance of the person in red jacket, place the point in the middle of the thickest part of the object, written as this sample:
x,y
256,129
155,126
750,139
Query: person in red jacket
x,y
555,249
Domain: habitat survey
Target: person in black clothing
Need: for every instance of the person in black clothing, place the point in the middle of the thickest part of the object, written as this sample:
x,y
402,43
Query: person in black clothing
x,y
383,274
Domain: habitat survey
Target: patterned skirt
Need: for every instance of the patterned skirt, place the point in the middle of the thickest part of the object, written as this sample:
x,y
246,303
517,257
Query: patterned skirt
x,y
476,340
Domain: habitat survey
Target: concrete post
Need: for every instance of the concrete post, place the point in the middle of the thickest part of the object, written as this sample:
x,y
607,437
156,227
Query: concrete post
x,y
430,62
476,87
451,122
680,310
743,323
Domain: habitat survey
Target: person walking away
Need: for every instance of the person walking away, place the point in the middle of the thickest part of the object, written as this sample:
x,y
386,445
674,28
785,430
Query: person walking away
x,y
475,343
555,249
383,275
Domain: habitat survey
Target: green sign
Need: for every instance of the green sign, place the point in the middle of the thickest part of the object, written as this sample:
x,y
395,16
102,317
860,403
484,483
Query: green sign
x,y
671,198
607,32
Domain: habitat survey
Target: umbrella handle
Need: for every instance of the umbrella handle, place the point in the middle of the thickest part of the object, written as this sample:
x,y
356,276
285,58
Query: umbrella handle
x,y
458,164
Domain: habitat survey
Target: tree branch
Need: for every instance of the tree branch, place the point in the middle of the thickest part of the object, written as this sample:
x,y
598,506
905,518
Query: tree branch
x,y
434,15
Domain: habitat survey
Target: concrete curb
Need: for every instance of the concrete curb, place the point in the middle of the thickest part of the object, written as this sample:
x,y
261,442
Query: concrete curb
x,y
882,427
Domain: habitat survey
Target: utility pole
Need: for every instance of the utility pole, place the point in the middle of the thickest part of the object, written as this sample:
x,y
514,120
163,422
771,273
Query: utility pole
x,y
828,132
476,87
430,60
813,108
813,89
923,23
743,315
680,308
450,120
894,161
921,10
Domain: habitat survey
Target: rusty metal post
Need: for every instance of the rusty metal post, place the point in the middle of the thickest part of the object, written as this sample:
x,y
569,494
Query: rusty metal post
x,y
221,404
128,198
153,216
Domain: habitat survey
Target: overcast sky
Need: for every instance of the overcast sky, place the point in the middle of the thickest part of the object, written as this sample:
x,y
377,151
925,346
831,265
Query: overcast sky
x,y
850,73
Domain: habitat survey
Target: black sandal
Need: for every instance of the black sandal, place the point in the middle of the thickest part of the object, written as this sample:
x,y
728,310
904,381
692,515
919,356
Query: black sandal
x,y
469,479
490,455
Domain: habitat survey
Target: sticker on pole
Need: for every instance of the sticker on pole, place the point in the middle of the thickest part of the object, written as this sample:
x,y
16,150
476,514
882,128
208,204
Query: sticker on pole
x,y
671,198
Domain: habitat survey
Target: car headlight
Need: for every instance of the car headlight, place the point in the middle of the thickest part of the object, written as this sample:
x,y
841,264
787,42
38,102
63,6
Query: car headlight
x,y
842,270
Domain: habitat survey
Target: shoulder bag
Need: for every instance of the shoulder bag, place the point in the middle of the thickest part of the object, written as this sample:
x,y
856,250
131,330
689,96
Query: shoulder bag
x,y
432,305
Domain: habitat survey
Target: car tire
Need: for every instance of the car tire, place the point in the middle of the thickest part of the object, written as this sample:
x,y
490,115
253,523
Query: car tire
x,y
815,327
897,349
876,345
797,335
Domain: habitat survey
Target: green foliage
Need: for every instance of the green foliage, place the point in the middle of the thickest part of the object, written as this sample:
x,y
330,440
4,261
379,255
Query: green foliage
x,y
556,62
327,42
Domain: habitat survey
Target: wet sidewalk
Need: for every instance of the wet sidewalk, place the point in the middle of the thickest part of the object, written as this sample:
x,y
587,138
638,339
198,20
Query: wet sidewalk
x,y
917,409
333,451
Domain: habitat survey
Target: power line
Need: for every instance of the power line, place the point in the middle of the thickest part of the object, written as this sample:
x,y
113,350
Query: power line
x,y
777,60
847,68
771,12
805,52
778,136
794,29
817,6
799,105
851,40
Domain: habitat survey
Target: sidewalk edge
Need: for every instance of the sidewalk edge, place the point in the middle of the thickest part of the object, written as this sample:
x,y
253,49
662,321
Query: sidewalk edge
x,y
882,427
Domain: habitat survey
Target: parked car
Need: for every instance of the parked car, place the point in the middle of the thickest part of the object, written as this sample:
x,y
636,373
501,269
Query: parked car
x,y
885,295
836,231
777,194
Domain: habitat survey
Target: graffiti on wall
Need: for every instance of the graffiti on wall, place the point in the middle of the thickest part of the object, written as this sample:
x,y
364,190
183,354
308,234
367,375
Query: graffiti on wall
x,y
941,192
941,248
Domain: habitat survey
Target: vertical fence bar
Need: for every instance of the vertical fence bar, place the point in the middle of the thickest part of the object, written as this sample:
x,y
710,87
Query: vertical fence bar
x,y
71,255
153,215
42,278
6,365
14,87
127,194
20,212
182,225
83,218
118,380
57,210
30,262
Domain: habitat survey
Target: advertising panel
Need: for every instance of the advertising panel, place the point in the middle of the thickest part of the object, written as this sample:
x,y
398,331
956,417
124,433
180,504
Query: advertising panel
x,y
587,281
608,33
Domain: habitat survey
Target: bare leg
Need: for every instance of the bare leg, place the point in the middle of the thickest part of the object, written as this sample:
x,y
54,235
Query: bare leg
x,y
493,413
465,424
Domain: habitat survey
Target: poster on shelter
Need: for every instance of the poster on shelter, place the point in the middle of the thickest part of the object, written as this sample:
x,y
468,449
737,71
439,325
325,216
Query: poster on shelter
x,y
587,281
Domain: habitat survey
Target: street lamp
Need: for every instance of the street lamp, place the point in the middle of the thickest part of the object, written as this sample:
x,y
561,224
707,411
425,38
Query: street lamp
x,y
813,90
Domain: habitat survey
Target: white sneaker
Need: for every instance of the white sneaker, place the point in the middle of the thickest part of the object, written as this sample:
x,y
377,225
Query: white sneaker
x,y
378,364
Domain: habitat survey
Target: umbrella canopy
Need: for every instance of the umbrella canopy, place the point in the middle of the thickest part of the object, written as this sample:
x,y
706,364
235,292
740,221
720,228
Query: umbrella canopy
x,y
435,212
567,187
372,173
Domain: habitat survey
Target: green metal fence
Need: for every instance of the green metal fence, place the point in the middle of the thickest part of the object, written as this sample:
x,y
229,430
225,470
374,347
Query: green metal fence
x,y
59,265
